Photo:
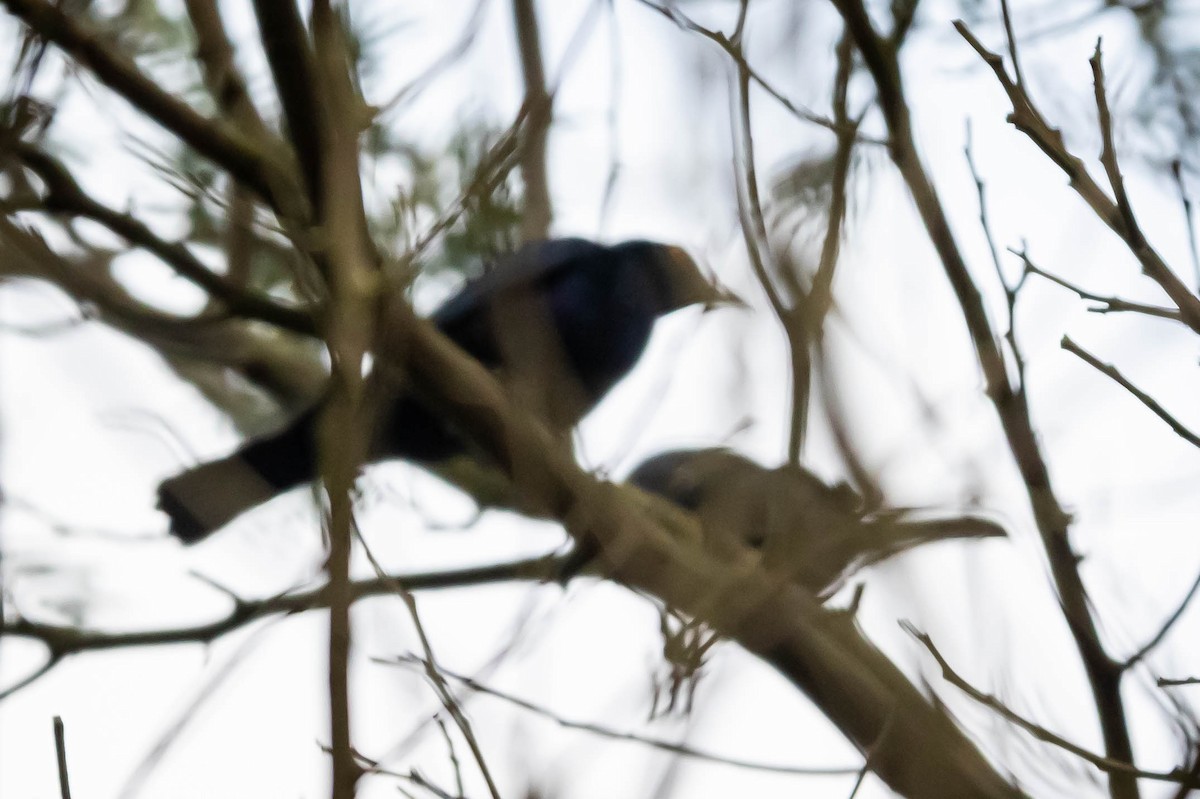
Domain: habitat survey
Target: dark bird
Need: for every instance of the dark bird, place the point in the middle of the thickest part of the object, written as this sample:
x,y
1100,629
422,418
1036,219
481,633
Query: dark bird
x,y
814,533
559,321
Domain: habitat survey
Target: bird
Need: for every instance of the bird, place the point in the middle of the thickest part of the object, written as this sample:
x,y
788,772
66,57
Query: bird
x,y
814,534
559,321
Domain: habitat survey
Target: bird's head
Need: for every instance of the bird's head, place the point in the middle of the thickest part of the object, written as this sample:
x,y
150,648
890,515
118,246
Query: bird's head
x,y
679,279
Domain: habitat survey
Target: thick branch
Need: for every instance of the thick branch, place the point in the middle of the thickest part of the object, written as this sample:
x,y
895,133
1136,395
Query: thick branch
x,y
537,212
290,56
820,652
1112,373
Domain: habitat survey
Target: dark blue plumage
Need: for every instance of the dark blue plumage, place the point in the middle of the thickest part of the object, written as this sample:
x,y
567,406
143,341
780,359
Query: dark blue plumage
x,y
561,321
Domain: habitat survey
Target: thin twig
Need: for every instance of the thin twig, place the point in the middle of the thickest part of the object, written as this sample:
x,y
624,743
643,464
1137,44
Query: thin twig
x,y
1010,291
64,195
619,735
734,52
1158,637
62,641
433,672
1166,682
1108,304
1105,764
1112,373
60,751
1117,215
1186,201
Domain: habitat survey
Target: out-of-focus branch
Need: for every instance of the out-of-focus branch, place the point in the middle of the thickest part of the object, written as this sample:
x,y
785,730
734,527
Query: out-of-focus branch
x,y
1113,374
256,167
282,364
65,196
821,652
758,248
734,52
1159,636
221,76
285,42
63,641
618,735
332,109
537,212
820,296
1011,403
1105,764
1118,215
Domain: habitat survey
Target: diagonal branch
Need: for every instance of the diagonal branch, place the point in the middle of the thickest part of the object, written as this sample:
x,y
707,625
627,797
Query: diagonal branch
x,y
1118,215
290,57
64,195
1149,646
1112,373
1106,764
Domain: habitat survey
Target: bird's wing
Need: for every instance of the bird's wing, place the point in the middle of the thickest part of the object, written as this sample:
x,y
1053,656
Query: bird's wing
x,y
531,263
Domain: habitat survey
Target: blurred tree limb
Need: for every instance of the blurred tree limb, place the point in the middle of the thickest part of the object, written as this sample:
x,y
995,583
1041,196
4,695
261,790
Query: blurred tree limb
x,y
881,57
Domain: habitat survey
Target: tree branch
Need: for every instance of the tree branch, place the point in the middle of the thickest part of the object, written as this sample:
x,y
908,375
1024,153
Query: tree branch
x,y
1106,764
1010,402
64,196
1113,374
618,735
1118,216
537,212
63,641
250,165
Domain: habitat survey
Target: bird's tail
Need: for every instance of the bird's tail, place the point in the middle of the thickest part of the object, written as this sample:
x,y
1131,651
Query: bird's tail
x,y
207,497
892,532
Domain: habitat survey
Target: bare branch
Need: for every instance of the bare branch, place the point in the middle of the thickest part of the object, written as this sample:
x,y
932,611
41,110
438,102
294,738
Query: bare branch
x,y
724,42
608,732
60,751
1105,764
1158,637
1011,402
64,196
62,641
225,82
1109,304
255,167
1118,216
537,212
1111,372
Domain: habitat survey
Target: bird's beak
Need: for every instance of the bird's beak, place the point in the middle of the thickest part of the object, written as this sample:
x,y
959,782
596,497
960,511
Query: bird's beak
x,y
692,288
723,297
